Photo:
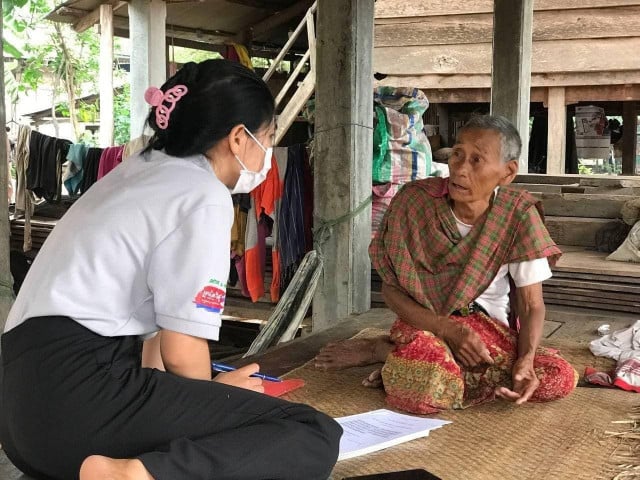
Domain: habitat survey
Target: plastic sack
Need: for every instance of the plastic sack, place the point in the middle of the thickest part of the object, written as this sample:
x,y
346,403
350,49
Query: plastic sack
x,y
408,154
629,251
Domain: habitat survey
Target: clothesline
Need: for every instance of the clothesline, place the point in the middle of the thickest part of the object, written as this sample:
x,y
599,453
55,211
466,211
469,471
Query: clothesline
x,y
39,163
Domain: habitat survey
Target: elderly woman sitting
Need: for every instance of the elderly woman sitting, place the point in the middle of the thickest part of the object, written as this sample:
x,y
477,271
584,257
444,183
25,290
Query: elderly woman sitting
x,y
462,259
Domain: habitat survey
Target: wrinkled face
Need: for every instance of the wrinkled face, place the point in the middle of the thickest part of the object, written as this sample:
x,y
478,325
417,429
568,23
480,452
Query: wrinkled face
x,y
476,167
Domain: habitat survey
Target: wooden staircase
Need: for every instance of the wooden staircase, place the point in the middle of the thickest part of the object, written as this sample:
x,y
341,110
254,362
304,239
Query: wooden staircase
x,y
306,87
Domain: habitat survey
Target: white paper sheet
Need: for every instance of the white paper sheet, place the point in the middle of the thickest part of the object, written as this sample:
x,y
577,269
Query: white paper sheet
x,y
372,431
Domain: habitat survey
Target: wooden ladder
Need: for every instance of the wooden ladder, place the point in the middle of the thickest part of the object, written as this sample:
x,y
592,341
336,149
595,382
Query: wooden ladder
x,y
307,86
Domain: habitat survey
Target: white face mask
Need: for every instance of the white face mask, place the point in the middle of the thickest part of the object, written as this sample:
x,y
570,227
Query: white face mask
x,y
248,179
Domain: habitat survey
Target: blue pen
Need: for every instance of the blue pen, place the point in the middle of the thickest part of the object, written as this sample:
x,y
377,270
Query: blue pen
x,y
220,367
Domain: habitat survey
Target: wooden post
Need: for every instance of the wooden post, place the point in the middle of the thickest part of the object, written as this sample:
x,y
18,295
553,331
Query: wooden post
x,y
147,27
556,131
511,72
6,280
106,75
344,151
629,137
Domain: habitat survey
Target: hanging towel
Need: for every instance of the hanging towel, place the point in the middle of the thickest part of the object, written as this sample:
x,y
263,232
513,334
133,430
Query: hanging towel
x,y
24,198
72,176
111,157
135,146
91,166
44,173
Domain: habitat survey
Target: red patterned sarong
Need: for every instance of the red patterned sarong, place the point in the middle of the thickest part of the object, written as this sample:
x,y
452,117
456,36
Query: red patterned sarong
x,y
422,376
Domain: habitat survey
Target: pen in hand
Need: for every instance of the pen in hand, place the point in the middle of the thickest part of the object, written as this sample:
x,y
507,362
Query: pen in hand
x,y
220,367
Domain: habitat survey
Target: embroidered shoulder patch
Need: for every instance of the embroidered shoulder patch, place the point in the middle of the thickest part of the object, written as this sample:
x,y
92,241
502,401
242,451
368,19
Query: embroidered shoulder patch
x,y
212,297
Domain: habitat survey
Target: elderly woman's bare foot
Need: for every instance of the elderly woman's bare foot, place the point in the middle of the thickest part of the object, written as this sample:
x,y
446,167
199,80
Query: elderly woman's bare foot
x,y
374,380
356,352
97,467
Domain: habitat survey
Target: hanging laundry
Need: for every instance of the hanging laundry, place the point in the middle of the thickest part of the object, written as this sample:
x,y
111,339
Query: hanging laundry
x,y
135,146
238,230
259,223
111,157
24,198
281,156
291,221
44,173
72,176
91,166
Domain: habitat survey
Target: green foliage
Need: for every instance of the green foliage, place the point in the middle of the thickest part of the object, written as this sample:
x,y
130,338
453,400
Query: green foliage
x,y
121,115
184,55
584,170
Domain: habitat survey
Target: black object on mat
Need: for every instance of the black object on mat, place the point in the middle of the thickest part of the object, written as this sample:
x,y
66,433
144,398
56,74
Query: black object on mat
x,y
419,474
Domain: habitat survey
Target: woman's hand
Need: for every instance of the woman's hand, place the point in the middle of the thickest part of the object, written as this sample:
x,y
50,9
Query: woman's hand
x,y
466,345
525,382
242,378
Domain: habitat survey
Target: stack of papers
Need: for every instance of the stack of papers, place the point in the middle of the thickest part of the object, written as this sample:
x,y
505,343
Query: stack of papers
x,y
372,431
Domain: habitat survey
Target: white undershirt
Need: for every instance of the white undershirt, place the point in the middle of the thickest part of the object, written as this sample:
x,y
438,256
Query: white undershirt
x,y
495,299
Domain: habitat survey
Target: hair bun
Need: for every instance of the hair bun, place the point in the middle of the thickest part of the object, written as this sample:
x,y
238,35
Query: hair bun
x,y
153,96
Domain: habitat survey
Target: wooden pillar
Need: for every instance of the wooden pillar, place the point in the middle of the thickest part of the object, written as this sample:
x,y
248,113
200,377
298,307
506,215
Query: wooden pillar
x,y
511,72
557,131
106,75
344,151
147,27
629,137
6,280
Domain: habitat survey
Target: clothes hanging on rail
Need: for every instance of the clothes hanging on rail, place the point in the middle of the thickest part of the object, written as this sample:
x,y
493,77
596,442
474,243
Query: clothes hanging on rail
x,y
24,198
260,221
72,177
111,157
91,166
44,173
291,221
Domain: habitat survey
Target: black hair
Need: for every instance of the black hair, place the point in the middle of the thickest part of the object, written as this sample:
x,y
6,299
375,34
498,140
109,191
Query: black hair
x,y
221,94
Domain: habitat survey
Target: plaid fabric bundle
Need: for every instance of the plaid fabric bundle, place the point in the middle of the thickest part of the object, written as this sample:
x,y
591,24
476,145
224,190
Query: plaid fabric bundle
x,y
420,250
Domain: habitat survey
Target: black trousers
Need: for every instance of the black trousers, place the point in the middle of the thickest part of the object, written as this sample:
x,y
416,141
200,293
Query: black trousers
x,y
68,393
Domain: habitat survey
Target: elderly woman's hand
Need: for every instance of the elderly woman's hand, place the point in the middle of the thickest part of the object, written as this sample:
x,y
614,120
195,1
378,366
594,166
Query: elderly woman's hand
x,y
466,345
525,382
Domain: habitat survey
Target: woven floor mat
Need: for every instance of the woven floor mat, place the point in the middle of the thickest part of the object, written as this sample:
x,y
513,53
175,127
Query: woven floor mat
x,y
557,440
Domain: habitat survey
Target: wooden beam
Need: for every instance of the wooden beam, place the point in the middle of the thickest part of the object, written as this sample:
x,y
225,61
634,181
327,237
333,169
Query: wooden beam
x,y
582,204
511,72
604,93
6,279
478,28
629,138
93,17
106,75
343,150
267,25
575,230
395,9
557,131
456,81
562,56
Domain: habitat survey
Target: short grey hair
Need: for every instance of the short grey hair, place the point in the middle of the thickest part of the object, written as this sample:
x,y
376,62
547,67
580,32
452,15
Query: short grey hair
x,y
511,144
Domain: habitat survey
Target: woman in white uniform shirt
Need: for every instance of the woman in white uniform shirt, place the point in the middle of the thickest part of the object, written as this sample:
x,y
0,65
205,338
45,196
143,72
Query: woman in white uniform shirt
x,y
146,249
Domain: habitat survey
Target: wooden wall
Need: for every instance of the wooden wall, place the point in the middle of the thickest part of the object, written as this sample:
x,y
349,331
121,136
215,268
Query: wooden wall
x,y
440,44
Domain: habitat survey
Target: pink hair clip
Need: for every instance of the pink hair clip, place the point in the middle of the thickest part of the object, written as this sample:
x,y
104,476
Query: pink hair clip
x,y
157,98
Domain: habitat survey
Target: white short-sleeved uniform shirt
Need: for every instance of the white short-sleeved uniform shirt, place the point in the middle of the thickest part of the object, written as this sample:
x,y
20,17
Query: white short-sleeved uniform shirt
x,y
495,299
145,248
